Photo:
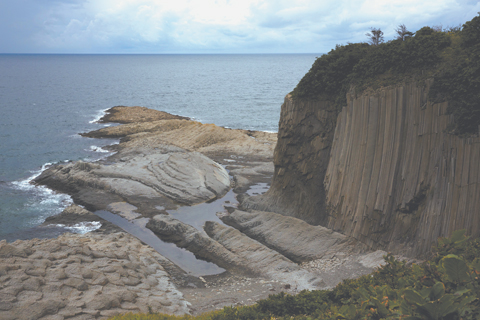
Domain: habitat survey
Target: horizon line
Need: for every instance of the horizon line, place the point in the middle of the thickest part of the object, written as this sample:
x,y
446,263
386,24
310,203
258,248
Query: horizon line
x,y
252,53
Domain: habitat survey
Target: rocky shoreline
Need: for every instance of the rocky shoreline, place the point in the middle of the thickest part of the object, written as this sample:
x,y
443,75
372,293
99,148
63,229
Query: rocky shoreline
x,y
163,163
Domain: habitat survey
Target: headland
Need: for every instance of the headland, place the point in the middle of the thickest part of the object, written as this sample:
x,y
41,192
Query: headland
x,y
172,183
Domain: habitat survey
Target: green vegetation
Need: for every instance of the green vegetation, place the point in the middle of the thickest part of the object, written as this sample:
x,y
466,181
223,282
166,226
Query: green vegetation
x,y
445,287
451,57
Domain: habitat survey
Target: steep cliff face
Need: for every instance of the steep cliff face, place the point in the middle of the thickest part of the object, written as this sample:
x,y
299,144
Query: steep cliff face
x,y
301,156
388,175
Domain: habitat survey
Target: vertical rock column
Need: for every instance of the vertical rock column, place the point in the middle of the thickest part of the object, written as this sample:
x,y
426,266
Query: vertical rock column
x,y
395,179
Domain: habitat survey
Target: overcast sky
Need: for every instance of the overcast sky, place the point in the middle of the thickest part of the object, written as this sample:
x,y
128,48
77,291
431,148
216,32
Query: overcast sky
x,y
212,26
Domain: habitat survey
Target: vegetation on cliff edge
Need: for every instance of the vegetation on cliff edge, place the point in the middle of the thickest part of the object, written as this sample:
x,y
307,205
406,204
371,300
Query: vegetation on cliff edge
x,y
445,287
451,57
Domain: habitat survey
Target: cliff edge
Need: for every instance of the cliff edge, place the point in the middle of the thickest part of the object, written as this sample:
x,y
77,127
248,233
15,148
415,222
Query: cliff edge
x,y
383,171
382,144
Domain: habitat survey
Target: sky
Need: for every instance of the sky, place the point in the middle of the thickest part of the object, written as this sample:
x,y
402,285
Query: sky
x,y
212,26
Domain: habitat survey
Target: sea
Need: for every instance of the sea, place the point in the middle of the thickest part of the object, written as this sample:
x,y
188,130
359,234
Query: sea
x,y
47,100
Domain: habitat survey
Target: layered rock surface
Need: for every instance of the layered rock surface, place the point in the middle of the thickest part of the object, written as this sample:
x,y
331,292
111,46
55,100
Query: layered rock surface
x,y
122,114
208,139
161,162
185,177
383,171
242,254
294,238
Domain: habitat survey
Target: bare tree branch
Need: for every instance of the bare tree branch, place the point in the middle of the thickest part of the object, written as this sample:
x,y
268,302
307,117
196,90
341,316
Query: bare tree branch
x,y
402,32
375,36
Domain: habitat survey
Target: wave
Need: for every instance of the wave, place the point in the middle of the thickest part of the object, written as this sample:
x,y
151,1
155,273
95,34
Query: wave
x,y
99,115
269,131
82,227
98,149
42,198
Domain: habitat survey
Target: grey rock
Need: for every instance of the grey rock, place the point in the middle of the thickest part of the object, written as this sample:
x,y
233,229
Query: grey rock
x,y
384,169
232,250
36,272
36,310
292,237
186,236
266,261
7,250
28,296
5,305
52,317
33,284
185,177
102,302
76,283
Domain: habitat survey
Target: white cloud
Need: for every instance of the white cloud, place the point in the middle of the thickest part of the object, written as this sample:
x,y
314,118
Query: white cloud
x,y
221,25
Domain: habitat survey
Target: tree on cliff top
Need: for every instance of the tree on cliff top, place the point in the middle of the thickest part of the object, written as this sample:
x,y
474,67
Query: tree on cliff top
x,y
403,33
451,57
375,36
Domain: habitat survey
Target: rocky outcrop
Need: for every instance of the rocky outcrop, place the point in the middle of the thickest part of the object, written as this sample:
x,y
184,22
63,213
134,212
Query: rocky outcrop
x,y
208,139
267,246
383,170
232,250
185,236
181,176
163,161
396,177
294,238
122,114
92,276
301,157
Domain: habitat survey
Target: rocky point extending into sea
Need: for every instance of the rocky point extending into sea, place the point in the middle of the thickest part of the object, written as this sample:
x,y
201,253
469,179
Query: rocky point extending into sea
x,y
162,165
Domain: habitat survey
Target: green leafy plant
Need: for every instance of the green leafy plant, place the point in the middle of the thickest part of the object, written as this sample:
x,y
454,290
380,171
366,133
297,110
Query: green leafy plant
x,y
450,57
447,287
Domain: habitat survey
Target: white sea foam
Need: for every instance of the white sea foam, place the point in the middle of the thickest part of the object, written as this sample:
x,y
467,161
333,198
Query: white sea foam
x,y
82,227
98,149
45,197
25,184
99,115
269,131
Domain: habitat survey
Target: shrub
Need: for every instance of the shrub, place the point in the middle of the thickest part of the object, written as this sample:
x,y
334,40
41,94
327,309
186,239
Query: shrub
x,y
452,58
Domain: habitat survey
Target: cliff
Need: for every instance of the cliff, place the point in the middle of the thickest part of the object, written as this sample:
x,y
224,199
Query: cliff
x,y
382,170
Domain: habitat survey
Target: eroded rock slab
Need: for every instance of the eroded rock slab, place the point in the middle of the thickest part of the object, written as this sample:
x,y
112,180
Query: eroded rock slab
x,y
91,276
185,236
292,237
232,250
185,177
122,114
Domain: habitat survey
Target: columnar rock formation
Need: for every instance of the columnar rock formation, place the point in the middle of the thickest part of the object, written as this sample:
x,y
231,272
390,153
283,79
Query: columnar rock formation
x,y
388,174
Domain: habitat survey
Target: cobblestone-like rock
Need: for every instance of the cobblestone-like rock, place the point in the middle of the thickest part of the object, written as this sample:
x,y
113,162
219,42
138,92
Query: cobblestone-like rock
x,y
92,276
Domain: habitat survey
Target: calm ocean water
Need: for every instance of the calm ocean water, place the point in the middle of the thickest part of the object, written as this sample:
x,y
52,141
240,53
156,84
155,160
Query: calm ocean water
x,y
46,100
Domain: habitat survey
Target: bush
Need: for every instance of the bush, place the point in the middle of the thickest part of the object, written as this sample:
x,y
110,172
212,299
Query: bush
x,y
445,287
452,58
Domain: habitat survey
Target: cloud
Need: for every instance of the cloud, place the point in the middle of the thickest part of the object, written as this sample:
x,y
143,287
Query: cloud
x,y
217,26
